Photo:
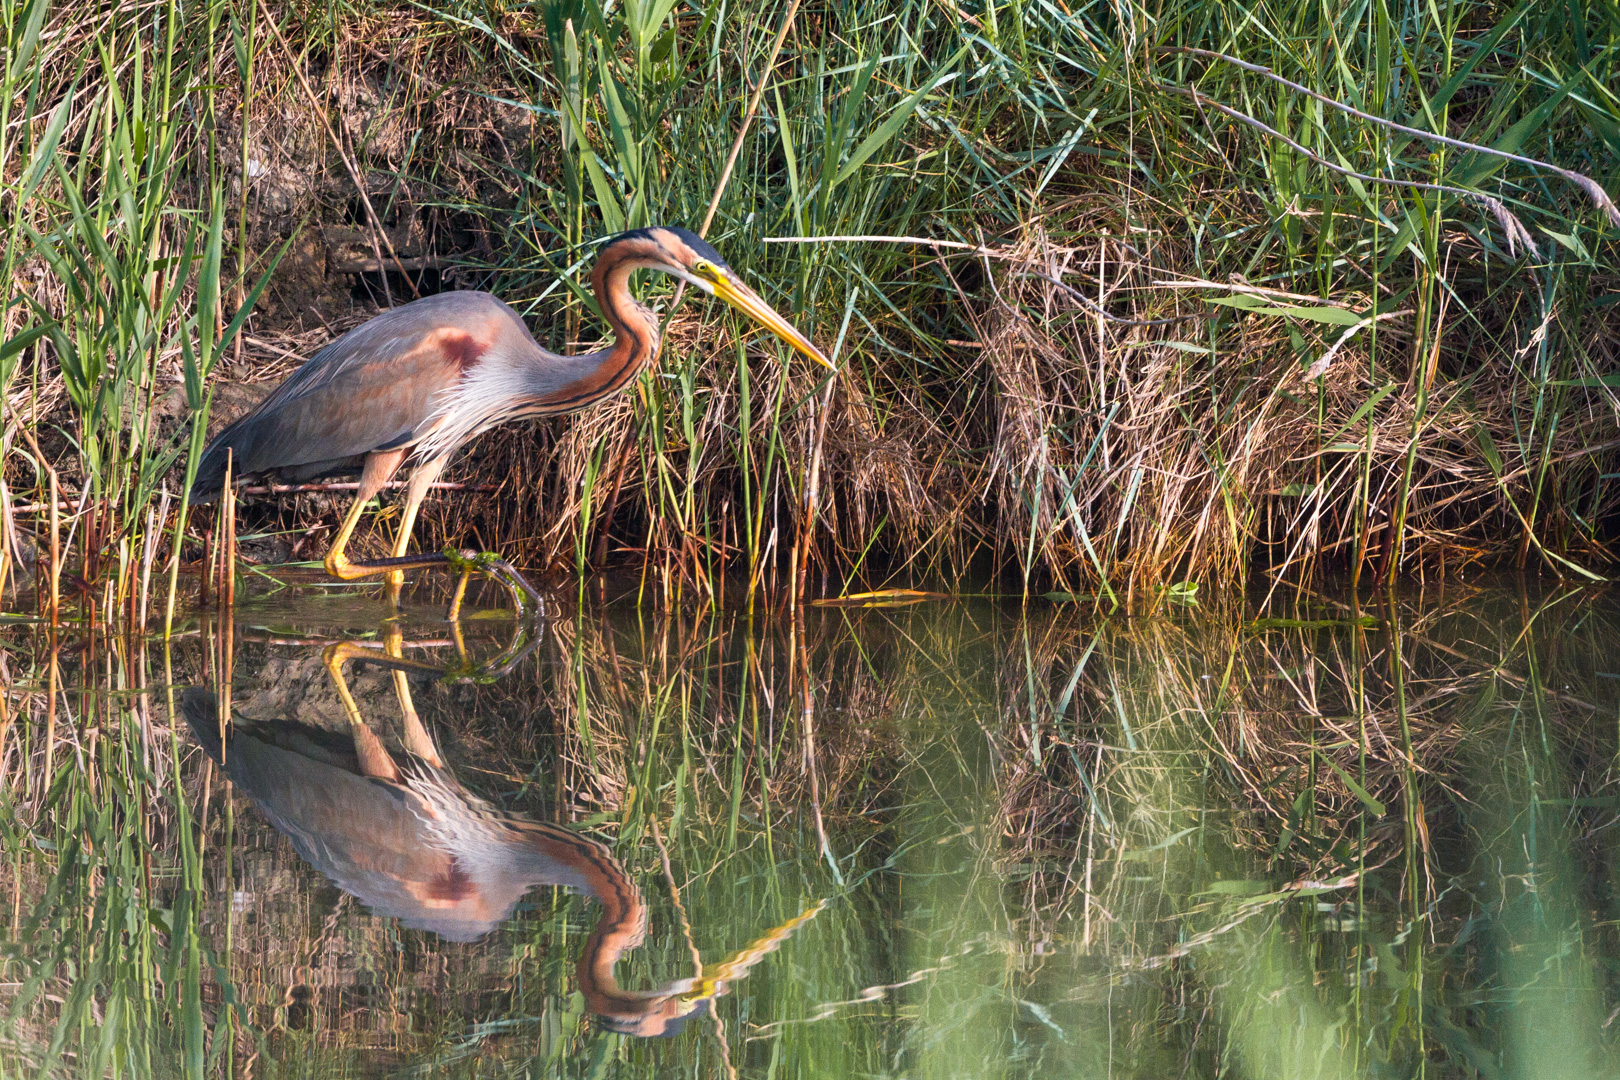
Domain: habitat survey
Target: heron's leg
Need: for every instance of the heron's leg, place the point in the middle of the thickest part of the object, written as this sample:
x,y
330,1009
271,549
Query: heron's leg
x,y
454,614
378,468
422,478
417,739
374,758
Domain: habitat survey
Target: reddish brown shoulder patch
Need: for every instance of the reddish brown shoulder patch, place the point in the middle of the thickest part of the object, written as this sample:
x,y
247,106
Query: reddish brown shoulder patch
x,y
460,348
454,886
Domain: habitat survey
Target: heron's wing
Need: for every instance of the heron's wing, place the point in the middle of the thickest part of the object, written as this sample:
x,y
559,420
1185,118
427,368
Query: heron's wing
x,y
372,389
425,852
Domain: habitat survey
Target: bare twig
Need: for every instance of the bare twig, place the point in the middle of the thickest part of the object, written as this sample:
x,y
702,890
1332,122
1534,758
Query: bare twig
x,y
350,485
1515,231
924,240
1593,189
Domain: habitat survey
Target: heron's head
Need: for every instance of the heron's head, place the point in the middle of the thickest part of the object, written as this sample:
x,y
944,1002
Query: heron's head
x,y
689,257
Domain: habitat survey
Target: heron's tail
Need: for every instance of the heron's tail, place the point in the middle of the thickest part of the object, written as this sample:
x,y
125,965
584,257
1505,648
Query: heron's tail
x,y
210,479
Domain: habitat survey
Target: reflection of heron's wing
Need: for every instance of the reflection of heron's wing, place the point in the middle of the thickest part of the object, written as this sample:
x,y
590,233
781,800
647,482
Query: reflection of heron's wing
x,y
433,858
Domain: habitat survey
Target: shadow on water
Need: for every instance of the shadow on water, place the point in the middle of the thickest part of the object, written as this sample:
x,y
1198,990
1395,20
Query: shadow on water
x,y
956,838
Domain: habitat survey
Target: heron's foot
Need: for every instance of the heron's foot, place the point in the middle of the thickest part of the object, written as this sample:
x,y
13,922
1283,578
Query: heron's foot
x,y
525,636
487,562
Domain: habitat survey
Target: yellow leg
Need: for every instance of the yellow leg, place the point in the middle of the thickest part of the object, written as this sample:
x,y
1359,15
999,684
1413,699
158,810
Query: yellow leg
x,y
422,478
378,468
417,739
454,614
374,757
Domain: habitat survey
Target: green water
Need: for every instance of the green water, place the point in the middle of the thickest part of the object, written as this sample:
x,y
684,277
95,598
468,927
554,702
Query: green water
x,y
1310,838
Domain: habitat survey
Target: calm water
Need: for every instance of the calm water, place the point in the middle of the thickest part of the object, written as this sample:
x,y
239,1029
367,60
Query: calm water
x,y
953,839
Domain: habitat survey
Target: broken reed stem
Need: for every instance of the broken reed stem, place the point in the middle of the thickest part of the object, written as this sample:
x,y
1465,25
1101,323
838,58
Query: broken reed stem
x,y
56,553
227,509
154,528
9,551
52,674
206,577
812,487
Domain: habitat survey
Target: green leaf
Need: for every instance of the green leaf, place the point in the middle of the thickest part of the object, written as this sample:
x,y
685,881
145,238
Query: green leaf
x,y
1355,418
32,22
16,343
1572,243
891,127
1356,789
1590,381
45,153
606,199
1338,316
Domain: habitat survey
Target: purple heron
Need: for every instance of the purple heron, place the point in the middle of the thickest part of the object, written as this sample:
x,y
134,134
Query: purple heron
x,y
417,382
409,842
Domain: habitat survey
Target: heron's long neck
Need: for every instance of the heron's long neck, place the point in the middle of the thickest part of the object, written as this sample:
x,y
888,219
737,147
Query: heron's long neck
x,y
635,328
594,376
621,926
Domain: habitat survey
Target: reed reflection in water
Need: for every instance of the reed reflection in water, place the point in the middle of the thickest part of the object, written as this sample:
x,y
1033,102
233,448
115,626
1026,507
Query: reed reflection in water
x,y
1319,839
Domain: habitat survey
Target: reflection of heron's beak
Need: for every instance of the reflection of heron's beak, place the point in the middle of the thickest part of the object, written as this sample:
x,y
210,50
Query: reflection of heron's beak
x,y
746,300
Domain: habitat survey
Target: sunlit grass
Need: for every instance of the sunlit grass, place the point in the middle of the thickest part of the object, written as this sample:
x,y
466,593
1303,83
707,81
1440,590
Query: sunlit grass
x,y
1402,389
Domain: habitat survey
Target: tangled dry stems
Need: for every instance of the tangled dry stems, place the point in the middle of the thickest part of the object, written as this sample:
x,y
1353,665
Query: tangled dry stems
x,y
1012,427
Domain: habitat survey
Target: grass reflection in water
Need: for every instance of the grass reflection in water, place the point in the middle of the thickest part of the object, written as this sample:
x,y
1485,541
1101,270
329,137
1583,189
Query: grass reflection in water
x,y
1341,841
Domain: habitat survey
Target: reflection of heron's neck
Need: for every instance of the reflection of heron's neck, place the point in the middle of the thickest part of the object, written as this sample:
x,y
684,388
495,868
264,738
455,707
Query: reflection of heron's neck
x,y
622,925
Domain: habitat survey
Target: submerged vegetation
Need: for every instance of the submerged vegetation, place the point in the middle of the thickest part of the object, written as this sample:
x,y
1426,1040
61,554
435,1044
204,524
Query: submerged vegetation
x,y
1122,295
1329,842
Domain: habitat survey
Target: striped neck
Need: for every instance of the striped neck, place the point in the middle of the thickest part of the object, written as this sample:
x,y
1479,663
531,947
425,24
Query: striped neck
x,y
635,327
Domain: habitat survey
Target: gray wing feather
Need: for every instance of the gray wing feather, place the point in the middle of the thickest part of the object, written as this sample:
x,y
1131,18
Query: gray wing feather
x,y
368,390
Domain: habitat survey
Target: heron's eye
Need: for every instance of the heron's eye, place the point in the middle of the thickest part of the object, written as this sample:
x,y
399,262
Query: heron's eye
x,y
705,268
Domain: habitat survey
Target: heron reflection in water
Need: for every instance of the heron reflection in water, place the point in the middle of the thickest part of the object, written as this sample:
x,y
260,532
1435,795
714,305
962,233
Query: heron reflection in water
x,y
408,841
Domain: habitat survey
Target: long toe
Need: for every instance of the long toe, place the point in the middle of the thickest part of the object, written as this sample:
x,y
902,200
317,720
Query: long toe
x,y
521,589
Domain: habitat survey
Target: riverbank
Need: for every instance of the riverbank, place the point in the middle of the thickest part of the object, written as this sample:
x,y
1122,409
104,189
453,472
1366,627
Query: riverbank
x,y
1097,330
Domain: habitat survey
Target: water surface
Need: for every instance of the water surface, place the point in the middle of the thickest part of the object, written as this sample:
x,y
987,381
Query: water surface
x,y
959,838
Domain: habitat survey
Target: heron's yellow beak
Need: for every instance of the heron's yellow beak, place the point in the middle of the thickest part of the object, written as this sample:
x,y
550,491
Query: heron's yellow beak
x,y
748,301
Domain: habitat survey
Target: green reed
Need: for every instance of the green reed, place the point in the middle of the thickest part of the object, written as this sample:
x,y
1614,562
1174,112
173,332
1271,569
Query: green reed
x,y
983,415
119,200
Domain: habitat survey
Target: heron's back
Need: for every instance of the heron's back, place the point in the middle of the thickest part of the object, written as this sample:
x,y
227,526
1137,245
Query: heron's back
x,y
372,389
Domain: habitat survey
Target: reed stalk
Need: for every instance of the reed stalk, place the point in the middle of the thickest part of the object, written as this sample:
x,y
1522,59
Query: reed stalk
x,y
1346,312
